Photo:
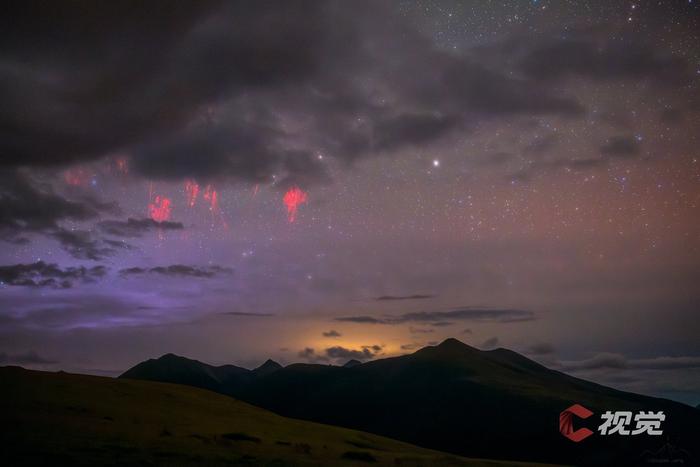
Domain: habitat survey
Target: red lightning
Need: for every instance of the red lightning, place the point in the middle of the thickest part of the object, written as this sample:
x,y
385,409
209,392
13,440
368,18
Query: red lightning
x,y
123,165
192,191
76,176
160,209
292,199
212,198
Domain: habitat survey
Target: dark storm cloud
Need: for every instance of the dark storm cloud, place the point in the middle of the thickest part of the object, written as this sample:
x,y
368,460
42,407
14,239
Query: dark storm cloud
x,y
117,244
136,227
620,146
593,55
403,297
490,93
540,146
604,360
412,129
413,330
28,358
331,333
243,313
361,319
95,90
542,348
41,274
341,353
179,270
490,343
616,361
617,147
474,314
62,104
442,317
309,354
82,244
28,207
210,91
131,71
665,363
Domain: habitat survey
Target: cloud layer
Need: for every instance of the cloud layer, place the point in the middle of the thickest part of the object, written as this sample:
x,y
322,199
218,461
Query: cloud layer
x,y
224,81
178,270
438,318
41,274
136,227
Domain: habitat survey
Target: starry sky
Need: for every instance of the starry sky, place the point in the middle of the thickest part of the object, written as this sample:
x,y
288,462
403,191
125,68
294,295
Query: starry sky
x,y
320,181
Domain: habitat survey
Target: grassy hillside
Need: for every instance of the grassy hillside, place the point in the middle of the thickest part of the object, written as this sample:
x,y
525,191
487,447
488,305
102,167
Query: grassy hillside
x,y
66,419
450,397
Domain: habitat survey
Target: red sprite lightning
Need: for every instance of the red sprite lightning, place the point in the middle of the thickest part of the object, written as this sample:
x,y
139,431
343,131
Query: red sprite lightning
x,y
292,199
76,176
160,209
123,165
192,190
212,197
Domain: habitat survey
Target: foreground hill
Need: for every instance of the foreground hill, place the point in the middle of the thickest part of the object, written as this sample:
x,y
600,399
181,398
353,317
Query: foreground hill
x,y
451,397
65,419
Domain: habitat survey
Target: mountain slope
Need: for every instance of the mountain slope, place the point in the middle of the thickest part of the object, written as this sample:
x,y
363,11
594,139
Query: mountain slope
x,y
456,398
270,366
172,368
65,419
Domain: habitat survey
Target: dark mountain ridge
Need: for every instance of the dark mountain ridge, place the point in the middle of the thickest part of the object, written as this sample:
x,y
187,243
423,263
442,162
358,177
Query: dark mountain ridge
x,y
171,368
451,397
62,419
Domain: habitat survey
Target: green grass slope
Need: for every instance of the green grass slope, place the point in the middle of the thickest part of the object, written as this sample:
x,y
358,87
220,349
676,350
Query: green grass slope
x,y
67,419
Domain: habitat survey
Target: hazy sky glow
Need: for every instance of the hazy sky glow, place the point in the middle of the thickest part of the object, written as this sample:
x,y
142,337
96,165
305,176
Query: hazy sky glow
x,y
323,181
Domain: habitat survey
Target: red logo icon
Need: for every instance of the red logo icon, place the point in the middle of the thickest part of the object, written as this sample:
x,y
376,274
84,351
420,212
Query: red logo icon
x,y
566,425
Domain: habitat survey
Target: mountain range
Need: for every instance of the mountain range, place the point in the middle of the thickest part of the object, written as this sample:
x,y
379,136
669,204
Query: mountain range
x,y
450,397
86,421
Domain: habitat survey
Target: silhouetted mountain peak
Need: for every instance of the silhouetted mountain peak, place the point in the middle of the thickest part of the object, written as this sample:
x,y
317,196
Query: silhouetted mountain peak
x,y
449,348
352,363
171,357
379,396
452,343
268,367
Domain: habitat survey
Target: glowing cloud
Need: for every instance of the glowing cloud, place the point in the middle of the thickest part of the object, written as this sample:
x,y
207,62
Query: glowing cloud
x,y
76,176
292,199
160,209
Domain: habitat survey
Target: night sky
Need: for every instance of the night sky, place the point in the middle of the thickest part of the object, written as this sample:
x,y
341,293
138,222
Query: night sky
x,y
323,181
